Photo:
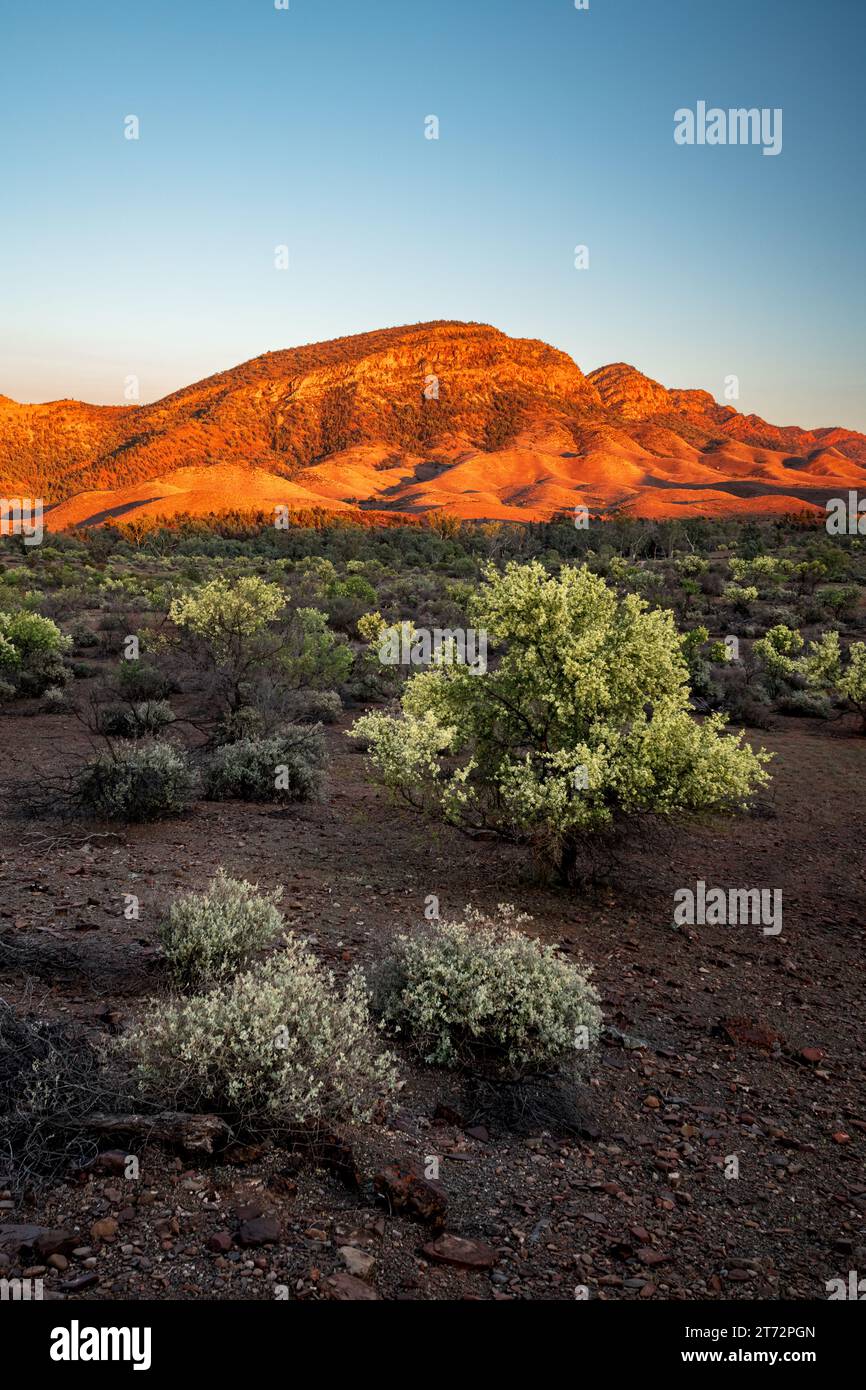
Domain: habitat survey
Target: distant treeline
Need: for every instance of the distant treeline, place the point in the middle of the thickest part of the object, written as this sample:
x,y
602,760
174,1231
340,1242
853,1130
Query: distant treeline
x,y
437,539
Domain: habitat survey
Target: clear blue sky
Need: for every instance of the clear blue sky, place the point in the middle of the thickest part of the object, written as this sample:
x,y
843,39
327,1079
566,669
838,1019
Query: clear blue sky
x,y
306,127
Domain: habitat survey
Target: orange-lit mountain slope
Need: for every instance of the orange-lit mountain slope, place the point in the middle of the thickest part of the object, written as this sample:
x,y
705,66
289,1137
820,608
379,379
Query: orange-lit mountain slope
x,y
453,417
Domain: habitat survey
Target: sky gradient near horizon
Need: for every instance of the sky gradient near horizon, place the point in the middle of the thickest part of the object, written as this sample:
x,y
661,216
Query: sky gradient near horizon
x,y
305,127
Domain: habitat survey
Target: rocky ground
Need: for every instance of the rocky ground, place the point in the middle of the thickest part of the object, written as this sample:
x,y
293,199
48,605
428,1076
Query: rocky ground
x,y
720,1042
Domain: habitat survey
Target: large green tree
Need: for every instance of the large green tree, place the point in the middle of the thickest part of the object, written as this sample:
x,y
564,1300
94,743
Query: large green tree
x,y
581,721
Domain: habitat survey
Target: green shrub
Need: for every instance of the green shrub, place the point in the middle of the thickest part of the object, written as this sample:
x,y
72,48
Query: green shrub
x,y
809,703
825,667
136,783
136,721
314,706
246,722
54,701
277,1046
781,617
289,766
313,655
242,632
740,596
742,702
841,602
83,635
482,992
346,599
777,651
210,936
138,681
31,652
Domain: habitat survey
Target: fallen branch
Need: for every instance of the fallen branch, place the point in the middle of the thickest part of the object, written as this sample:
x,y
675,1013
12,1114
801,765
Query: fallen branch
x,y
191,1133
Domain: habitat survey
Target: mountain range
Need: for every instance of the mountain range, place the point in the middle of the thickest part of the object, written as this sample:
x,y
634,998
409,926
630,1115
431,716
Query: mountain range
x,y
446,417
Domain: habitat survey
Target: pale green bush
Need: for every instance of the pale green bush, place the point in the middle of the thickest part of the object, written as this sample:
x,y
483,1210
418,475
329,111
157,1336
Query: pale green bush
x,y
54,701
809,703
482,992
229,613
210,936
138,782
741,595
245,722
278,1047
288,766
777,651
314,706
136,720
826,668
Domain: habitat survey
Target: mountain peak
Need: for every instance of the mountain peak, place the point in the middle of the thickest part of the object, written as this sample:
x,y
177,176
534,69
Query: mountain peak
x,y
629,393
445,415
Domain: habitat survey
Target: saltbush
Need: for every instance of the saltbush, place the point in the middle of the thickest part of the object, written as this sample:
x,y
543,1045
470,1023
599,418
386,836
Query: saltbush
x,y
54,701
314,706
138,782
136,720
481,992
210,936
288,766
277,1046
809,703
246,722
